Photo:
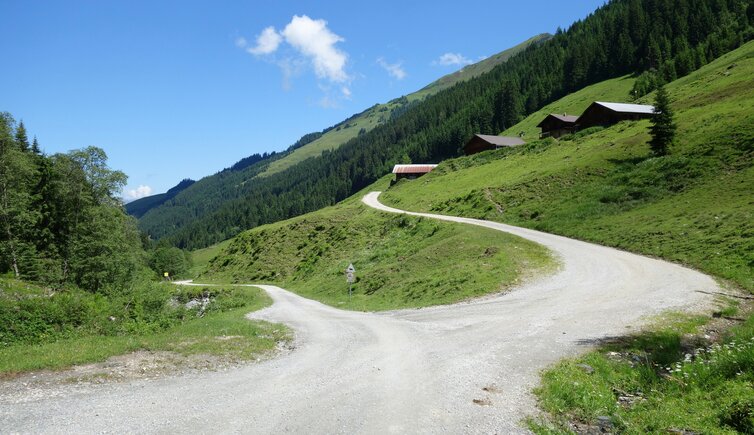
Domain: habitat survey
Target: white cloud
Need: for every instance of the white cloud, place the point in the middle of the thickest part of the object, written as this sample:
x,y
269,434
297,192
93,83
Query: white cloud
x,y
395,70
452,59
267,42
314,40
139,192
305,43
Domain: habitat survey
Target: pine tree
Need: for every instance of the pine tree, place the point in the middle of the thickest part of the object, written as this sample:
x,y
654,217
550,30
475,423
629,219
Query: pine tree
x,y
663,128
35,147
22,140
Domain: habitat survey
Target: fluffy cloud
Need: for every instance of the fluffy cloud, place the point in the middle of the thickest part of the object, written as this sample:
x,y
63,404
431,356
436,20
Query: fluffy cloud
x,y
312,42
139,192
452,59
267,42
395,70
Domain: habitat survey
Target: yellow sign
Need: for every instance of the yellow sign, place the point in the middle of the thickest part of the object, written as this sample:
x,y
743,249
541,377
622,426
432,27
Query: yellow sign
x,y
166,274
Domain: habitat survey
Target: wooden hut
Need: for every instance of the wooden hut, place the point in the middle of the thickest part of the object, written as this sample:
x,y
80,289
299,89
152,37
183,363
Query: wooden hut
x,y
606,114
555,125
485,142
411,171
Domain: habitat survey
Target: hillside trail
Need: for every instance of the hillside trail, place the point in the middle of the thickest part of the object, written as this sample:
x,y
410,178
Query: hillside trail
x,y
463,368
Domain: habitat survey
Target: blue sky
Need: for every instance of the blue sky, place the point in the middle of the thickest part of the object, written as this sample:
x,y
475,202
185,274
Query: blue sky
x,y
177,89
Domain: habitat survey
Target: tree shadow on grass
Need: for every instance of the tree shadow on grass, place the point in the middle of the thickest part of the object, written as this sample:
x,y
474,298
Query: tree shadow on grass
x,y
654,348
630,161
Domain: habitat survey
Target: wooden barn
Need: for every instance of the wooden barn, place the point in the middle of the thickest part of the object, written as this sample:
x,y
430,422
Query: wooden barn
x,y
411,171
555,125
485,142
606,114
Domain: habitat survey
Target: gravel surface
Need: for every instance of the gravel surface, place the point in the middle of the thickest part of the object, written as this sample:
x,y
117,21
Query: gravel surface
x,y
464,368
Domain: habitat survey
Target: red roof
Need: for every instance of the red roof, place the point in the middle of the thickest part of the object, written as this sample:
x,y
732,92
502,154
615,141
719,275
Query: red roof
x,y
413,169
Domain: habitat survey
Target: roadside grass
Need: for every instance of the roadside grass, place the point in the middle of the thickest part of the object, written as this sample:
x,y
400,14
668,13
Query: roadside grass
x,y
668,378
694,206
222,330
401,261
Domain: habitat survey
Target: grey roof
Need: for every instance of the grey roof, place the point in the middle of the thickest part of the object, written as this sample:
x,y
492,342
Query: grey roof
x,y
565,118
502,141
627,108
570,119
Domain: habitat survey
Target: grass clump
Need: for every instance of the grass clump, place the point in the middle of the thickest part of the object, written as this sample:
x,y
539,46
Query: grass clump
x,y
660,380
40,329
401,261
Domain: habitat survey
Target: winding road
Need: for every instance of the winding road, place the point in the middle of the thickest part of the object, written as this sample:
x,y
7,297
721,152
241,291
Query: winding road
x,y
464,368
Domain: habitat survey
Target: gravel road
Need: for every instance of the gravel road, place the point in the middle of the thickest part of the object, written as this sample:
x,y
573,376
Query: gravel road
x,y
464,368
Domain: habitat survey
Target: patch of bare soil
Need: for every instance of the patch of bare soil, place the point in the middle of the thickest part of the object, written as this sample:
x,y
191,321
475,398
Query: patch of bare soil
x,y
139,365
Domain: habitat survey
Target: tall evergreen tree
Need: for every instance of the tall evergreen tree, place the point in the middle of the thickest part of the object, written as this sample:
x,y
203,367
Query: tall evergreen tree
x,y
663,127
17,217
22,139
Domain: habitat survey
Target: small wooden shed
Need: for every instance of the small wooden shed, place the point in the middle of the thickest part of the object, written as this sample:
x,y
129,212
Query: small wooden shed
x,y
485,142
411,171
606,114
555,125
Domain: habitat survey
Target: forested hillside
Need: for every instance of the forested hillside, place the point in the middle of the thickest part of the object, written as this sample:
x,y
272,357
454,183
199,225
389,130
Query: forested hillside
x,y
622,37
139,207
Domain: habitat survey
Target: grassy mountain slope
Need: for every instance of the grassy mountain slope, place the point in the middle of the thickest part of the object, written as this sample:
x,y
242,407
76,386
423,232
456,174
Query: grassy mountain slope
x,y
378,114
695,206
476,69
400,261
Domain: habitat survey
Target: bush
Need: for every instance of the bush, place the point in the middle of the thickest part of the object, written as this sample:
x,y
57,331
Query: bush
x,y
172,260
145,308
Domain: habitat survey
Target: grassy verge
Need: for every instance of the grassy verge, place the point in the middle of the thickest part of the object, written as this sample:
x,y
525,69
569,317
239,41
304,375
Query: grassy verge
x,y
676,376
219,329
401,261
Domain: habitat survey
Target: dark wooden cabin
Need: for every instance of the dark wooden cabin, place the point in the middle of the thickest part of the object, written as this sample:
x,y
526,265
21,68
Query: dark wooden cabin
x,y
485,142
606,114
411,171
555,125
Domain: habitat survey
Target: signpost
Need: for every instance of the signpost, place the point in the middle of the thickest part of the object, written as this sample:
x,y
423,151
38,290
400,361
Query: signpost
x,y
350,271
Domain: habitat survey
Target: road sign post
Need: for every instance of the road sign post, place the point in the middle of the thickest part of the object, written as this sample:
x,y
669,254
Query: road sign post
x,y
350,277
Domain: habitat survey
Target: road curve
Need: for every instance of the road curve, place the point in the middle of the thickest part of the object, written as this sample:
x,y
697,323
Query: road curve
x,y
464,368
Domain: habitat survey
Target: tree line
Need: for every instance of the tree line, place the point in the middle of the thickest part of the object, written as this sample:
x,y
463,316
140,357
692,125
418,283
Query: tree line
x,y
62,223
668,37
